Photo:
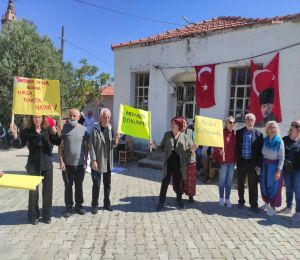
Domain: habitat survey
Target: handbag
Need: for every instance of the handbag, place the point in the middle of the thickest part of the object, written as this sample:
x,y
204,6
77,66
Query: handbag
x,y
288,166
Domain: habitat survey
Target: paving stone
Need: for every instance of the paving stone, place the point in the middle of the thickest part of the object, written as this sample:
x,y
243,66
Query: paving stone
x,y
134,230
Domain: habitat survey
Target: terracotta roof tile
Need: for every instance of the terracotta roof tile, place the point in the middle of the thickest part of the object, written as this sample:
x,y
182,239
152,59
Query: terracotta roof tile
x,y
108,91
213,25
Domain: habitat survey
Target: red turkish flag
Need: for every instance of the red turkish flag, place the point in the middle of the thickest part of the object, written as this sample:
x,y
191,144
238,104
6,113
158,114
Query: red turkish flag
x,y
264,93
205,93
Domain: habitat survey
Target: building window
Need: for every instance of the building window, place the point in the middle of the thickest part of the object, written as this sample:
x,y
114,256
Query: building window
x,y
186,100
141,90
239,93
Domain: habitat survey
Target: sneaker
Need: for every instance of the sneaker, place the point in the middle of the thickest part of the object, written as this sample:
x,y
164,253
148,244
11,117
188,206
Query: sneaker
x,y
286,210
296,217
94,210
47,221
228,203
240,206
221,202
108,207
265,207
80,211
35,221
68,213
180,204
271,212
191,199
159,207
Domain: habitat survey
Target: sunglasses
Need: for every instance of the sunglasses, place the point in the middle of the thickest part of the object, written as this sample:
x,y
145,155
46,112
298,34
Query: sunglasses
x,y
231,122
296,126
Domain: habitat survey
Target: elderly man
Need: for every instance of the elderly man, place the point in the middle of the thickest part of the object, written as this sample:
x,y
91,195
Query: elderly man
x,y
73,152
249,159
101,144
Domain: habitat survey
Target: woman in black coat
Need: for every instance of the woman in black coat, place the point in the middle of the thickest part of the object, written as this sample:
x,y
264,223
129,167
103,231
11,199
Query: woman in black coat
x,y
39,138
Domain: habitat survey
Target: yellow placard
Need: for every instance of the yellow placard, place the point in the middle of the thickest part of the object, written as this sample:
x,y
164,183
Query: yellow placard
x,y
208,131
17,181
36,96
134,122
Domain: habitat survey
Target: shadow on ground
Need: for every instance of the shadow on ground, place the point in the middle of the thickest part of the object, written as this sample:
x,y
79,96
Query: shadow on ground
x,y
19,217
156,175
149,204
144,204
16,172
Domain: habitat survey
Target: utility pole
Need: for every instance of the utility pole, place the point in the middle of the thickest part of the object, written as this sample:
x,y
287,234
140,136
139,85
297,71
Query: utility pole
x,y
62,42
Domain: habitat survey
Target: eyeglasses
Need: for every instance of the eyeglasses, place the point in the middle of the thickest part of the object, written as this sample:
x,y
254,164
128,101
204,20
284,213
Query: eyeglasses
x,y
296,126
231,122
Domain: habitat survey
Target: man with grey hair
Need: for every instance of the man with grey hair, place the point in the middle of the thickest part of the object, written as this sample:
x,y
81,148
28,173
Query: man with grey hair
x,y
101,144
249,160
73,152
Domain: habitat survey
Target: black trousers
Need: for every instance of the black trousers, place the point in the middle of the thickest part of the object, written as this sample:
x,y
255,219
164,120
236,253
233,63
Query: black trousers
x,y
73,174
246,168
96,178
33,201
165,184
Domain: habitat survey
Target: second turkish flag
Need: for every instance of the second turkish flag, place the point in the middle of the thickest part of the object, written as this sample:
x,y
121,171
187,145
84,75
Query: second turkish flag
x,y
205,94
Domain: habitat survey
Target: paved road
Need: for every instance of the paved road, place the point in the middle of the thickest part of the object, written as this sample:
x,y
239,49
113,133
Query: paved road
x,y
134,230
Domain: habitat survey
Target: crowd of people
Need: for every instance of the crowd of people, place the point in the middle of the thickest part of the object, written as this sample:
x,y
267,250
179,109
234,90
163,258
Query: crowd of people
x,y
266,159
269,160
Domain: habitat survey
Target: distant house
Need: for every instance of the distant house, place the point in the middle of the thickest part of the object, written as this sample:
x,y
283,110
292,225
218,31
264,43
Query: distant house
x,y
157,73
106,100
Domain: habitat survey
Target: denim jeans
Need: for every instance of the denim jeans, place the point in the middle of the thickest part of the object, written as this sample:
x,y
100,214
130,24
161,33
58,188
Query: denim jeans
x,y
292,184
225,179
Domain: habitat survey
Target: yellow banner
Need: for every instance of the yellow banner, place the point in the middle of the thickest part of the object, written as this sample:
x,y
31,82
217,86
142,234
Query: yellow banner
x,y
208,131
17,181
36,96
134,122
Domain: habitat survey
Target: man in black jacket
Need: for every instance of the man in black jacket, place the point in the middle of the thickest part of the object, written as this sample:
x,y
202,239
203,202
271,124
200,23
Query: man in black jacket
x,y
249,159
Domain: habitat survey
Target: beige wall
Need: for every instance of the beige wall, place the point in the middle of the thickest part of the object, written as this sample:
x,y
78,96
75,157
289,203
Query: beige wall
x,y
94,105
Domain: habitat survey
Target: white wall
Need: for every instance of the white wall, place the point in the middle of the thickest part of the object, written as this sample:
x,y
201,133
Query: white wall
x,y
226,46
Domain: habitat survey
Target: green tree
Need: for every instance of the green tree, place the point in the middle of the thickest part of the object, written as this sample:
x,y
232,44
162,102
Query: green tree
x,y
84,87
23,52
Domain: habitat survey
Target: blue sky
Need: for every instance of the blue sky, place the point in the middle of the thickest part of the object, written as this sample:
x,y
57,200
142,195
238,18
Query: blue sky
x,y
95,29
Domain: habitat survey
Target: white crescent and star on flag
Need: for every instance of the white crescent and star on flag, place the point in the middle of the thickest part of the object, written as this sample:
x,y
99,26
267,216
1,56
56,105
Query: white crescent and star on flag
x,y
255,74
202,70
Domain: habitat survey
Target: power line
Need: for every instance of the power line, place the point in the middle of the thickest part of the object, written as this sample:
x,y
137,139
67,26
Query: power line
x,y
230,61
88,52
127,14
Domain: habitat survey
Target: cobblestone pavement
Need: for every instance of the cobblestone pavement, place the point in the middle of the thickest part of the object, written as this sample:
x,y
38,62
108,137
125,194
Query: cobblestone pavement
x,y
134,230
